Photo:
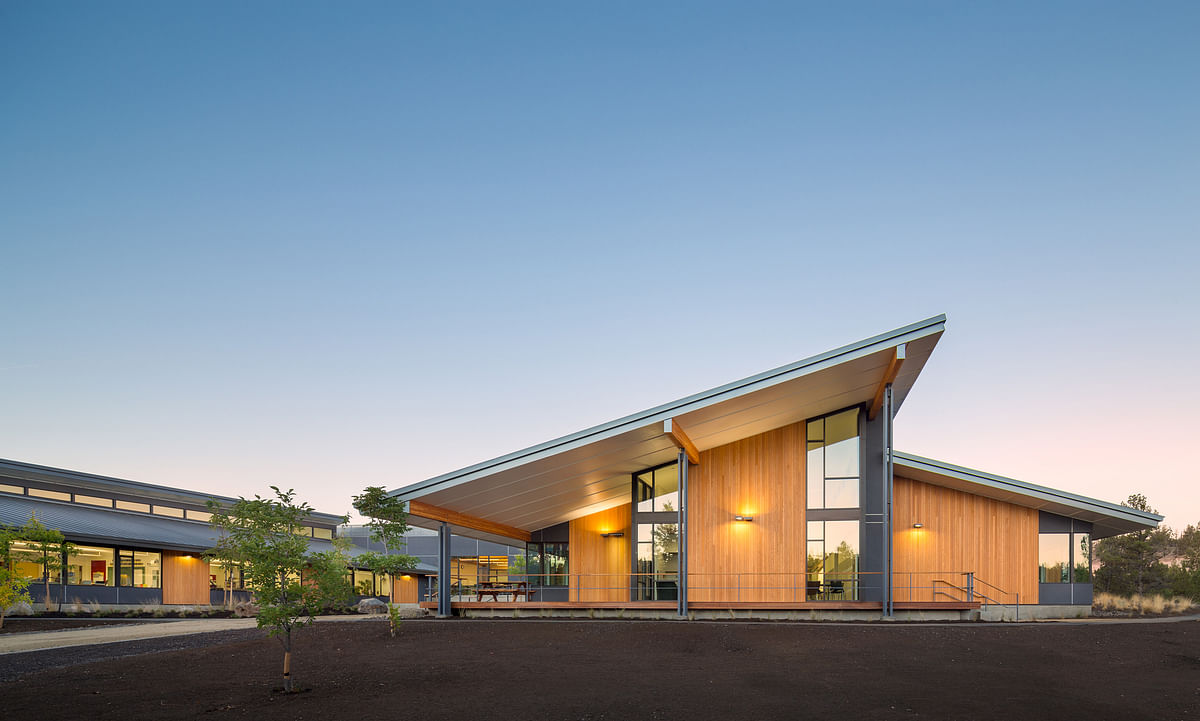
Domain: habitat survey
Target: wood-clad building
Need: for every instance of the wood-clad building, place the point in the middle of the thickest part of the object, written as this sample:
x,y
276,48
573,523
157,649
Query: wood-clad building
x,y
774,492
141,545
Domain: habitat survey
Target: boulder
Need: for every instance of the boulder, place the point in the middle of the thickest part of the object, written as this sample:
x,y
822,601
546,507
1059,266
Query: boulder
x,y
371,605
245,609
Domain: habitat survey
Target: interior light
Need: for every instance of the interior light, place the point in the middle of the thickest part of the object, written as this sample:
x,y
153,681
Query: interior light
x,y
743,518
612,534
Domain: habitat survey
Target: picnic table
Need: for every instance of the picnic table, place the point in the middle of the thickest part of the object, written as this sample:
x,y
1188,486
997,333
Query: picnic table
x,y
495,589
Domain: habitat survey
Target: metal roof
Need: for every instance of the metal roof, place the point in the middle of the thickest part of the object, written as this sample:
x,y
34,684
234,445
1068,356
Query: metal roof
x,y
26,472
1108,519
589,471
110,527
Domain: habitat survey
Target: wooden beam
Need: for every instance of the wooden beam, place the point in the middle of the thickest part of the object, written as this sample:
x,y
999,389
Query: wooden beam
x,y
454,518
681,440
889,376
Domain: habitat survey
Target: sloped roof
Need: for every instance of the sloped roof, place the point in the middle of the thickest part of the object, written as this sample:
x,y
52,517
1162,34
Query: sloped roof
x,y
1107,519
589,471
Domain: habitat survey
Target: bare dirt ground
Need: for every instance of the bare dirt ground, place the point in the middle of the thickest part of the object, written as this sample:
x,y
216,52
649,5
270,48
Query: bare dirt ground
x,y
29,625
629,670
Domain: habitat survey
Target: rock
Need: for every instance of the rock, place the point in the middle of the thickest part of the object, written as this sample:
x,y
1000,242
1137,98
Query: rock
x,y
245,609
19,609
371,605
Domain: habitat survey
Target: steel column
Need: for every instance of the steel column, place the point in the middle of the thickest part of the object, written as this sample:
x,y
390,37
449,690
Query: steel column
x,y
888,519
444,581
682,582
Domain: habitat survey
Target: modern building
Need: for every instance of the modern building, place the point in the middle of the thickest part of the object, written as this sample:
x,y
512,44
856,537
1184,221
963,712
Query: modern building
x,y
141,545
777,494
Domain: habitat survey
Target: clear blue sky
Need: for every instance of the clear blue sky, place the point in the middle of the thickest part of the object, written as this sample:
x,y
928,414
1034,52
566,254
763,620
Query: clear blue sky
x,y
332,245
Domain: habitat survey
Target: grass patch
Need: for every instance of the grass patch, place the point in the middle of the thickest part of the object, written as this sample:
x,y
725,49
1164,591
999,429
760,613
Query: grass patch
x,y
1141,605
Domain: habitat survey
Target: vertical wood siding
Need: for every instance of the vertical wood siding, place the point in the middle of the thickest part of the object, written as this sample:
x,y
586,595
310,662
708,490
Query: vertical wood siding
x,y
185,578
406,589
593,554
764,560
962,532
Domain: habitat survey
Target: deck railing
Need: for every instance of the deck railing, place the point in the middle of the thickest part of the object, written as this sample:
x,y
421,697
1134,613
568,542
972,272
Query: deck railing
x,y
744,587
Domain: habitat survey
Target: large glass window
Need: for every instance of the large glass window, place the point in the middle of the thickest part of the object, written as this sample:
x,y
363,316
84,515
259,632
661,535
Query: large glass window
x,y
91,566
832,560
833,468
546,564
1054,557
1083,558
657,561
364,582
27,561
658,489
140,569
222,575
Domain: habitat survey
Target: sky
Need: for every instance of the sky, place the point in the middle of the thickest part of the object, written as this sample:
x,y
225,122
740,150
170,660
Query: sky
x,y
331,245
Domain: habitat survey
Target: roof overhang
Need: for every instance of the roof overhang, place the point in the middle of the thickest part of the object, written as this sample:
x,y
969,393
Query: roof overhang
x,y
590,471
1107,519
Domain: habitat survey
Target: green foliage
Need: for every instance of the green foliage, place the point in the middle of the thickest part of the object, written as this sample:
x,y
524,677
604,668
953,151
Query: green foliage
x,y
388,520
1132,562
13,588
393,619
48,548
290,583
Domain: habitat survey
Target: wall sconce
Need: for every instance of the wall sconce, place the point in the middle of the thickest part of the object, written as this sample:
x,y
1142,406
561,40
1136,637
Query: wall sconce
x,y
743,518
918,525
612,534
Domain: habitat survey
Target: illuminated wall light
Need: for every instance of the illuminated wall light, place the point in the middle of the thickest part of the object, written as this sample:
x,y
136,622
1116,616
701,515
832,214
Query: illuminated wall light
x,y
918,525
743,518
612,534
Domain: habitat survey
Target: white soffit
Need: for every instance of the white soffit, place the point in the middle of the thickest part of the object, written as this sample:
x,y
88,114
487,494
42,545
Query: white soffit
x,y
1108,519
590,470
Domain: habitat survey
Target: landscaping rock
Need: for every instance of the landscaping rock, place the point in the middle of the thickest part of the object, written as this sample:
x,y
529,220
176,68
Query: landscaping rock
x,y
372,605
245,609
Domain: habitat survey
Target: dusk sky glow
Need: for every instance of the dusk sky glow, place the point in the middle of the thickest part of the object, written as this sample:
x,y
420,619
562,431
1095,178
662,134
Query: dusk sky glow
x,y
326,246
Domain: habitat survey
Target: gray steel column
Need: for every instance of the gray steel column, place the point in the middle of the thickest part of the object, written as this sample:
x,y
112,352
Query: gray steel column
x,y
682,582
888,519
444,580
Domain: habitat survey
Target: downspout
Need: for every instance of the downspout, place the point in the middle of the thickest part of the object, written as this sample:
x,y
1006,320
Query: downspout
x,y
444,586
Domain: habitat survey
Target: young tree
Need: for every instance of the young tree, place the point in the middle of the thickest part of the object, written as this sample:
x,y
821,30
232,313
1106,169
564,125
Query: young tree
x,y
1131,562
47,547
388,521
290,583
225,554
13,588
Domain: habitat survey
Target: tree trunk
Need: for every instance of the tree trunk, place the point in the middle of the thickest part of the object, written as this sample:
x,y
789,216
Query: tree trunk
x,y
287,664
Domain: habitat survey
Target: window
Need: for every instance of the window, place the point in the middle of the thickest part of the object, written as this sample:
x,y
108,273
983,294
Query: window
x,y
222,575
5,488
832,560
53,495
546,564
140,569
131,506
658,489
1083,558
832,470
1054,557
325,533
198,515
364,582
91,566
168,511
27,561
657,561
94,500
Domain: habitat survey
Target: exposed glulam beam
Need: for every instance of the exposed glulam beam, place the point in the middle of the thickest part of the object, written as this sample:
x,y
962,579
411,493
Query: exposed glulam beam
x,y
681,440
889,376
454,518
